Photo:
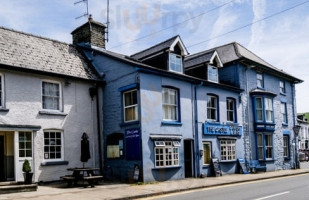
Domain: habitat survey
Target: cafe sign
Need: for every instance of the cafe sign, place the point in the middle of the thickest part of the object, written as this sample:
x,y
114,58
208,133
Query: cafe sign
x,y
218,129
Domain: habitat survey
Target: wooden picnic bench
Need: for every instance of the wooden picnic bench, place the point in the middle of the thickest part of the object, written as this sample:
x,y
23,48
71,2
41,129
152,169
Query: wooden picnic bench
x,y
82,174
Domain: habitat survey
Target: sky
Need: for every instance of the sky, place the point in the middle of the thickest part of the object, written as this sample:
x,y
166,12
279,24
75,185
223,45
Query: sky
x,y
281,40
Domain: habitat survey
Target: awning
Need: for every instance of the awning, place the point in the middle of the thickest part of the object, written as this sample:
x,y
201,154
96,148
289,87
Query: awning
x,y
19,127
159,136
226,138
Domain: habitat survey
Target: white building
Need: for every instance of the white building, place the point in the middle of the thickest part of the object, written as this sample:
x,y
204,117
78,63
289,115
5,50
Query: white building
x,y
303,136
45,106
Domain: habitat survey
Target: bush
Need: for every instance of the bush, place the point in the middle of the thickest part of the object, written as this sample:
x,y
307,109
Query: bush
x,y
26,166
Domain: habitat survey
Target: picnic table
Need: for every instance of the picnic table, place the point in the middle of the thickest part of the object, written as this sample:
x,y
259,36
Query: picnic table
x,y
82,174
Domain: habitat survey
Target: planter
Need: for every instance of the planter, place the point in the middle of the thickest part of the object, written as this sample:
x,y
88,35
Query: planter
x,y
28,178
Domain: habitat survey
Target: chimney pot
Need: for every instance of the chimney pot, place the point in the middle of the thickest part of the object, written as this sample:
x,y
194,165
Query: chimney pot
x,y
90,18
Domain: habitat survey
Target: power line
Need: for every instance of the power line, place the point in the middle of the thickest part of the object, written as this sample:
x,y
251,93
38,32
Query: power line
x,y
177,24
239,28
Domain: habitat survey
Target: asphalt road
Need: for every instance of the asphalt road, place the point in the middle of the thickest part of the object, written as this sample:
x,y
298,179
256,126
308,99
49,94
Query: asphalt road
x,y
288,188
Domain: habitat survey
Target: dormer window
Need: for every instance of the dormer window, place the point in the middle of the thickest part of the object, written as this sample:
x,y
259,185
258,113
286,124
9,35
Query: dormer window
x,y
212,74
175,63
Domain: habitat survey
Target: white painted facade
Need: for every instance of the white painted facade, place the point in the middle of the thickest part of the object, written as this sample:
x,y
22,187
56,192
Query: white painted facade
x,y
21,112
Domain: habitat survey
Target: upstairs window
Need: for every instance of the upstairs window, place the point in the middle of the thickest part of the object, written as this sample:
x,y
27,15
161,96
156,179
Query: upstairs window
x,y
213,74
1,91
130,106
51,95
260,80
282,87
212,107
259,109
170,104
231,110
175,63
269,110
283,113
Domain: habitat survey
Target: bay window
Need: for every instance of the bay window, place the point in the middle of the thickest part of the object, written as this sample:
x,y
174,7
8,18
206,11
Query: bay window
x,y
265,146
259,109
264,110
166,153
269,110
170,104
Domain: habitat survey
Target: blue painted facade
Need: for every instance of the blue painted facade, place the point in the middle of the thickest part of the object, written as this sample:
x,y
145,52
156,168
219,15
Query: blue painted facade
x,y
137,141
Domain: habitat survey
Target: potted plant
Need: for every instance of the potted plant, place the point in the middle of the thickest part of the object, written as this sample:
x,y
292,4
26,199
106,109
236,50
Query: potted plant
x,y
27,170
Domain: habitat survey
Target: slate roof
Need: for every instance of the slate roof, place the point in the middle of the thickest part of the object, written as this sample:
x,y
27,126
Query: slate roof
x,y
234,51
29,52
190,61
154,49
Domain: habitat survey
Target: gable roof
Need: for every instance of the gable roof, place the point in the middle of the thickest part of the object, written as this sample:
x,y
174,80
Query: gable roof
x,y
23,51
206,57
234,51
159,47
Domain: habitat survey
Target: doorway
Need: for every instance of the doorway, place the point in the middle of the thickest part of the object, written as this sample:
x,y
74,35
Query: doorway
x,y
2,177
188,157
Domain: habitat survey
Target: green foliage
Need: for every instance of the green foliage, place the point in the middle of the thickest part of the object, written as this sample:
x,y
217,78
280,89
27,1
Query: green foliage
x,y
26,166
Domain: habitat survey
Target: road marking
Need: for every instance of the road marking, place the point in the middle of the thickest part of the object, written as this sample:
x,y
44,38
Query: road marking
x,y
274,195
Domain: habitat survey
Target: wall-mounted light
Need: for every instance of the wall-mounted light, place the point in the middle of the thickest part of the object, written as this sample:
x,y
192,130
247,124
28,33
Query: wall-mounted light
x,y
67,83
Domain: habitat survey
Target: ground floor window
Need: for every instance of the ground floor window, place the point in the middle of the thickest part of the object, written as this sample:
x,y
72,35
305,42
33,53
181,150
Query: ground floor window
x,y
167,153
53,145
265,146
228,150
207,153
286,146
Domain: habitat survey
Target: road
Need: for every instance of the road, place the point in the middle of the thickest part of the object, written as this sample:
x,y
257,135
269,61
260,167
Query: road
x,y
287,188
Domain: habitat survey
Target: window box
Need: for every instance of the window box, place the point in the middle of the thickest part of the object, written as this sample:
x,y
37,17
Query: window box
x,y
171,123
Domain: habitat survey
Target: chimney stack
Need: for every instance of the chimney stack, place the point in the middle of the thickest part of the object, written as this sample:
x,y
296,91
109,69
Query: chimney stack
x,y
92,32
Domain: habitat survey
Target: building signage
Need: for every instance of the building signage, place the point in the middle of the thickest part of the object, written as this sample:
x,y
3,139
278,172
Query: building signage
x,y
133,144
218,129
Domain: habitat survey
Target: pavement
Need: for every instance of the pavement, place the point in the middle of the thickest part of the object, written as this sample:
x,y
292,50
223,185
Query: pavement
x,y
129,191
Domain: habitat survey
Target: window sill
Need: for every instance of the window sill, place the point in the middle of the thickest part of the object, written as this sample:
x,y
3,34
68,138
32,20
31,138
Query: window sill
x,y
232,123
272,160
4,110
261,88
212,122
287,158
285,124
52,163
171,123
163,168
52,112
228,161
128,123
283,94
206,166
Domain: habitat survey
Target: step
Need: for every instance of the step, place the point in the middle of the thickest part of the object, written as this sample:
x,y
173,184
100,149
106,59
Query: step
x,y
14,188
8,183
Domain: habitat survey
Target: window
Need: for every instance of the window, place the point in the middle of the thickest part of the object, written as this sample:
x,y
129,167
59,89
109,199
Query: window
x,y
1,91
283,113
25,144
53,145
282,87
260,80
259,109
213,74
212,108
175,63
166,153
207,153
228,150
269,110
51,96
286,146
115,146
170,104
231,110
130,106
265,146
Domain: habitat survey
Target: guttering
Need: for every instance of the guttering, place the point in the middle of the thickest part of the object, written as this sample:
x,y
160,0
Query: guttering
x,y
197,145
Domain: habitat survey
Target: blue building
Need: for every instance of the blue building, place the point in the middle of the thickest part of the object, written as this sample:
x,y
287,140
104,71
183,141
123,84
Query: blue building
x,y
167,114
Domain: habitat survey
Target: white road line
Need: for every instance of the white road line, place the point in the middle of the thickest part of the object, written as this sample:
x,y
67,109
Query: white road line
x,y
274,195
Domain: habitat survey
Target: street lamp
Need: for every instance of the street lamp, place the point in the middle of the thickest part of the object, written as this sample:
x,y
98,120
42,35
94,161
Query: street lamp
x,y
296,130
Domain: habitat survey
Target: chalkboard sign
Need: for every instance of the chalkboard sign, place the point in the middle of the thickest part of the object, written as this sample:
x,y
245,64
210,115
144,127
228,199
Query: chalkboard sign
x,y
242,166
216,167
133,144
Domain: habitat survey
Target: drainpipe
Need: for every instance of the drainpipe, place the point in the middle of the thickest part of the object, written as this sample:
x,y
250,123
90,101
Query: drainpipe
x,y
294,124
99,129
197,145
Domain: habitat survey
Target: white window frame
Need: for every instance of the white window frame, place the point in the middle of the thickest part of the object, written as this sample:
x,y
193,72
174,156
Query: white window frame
x,y
267,109
228,110
212,108
130,106
2,91
282,87
228,150
208,71
284,113
259,109
260,80
25,149
177,57
269,146
60,94
173,149
169,104
62,145
204,152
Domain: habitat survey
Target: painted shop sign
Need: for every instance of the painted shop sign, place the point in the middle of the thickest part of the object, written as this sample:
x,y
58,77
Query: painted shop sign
x,y
133,144
214,129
